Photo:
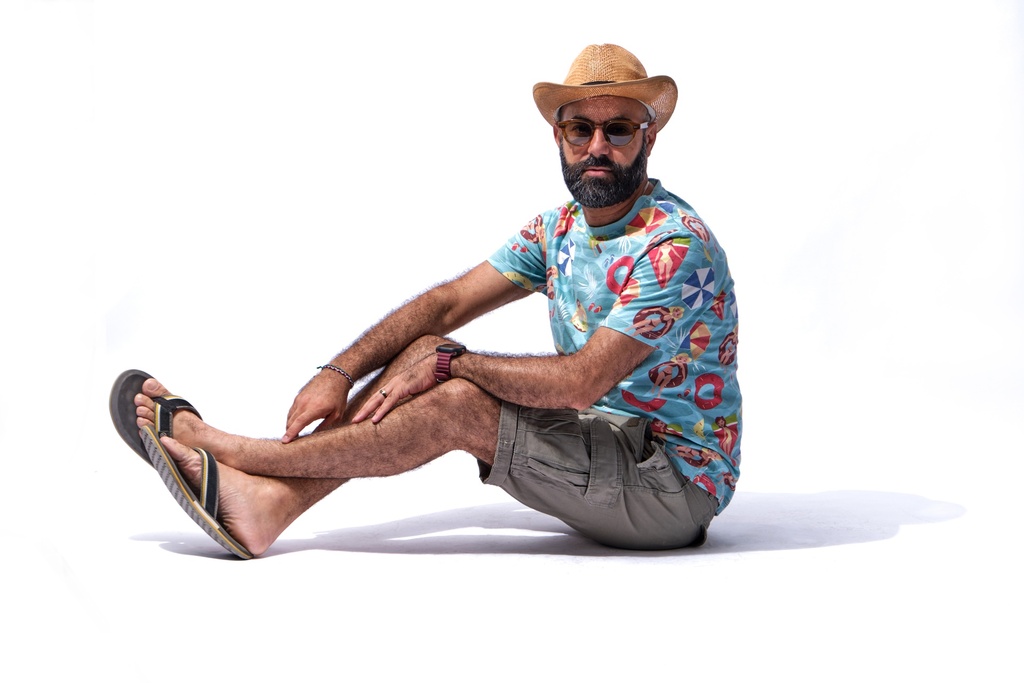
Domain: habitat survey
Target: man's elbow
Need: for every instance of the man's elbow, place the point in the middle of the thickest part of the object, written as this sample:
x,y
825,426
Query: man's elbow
x,y
585,397
581,405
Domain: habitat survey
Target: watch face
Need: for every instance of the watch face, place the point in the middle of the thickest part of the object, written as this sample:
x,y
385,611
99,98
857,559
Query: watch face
x,y
451,348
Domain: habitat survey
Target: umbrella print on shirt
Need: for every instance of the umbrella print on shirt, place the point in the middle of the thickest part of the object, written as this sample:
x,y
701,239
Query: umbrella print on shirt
x,y
699,287
565,257
723,301
646,221
718,307
698,339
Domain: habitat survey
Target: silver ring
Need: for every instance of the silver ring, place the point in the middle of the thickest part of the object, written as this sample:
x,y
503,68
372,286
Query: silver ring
x,y
383,393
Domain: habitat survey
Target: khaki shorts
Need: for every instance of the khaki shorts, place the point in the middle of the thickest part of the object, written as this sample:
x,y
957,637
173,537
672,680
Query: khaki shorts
x,y
602,474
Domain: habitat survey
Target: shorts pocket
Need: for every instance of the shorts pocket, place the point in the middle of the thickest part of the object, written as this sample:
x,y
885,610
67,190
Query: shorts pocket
x,y
553,448
563,476
657,472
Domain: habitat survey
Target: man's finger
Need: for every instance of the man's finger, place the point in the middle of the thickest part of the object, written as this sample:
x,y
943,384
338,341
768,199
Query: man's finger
x,y
294,425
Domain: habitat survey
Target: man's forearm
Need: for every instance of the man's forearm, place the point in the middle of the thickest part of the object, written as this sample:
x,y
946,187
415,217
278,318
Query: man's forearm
x,y
572,381
534,381
377,346
438,311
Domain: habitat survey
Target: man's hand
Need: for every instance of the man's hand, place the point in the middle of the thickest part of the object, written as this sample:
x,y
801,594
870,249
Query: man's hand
x,y
325,396
417,379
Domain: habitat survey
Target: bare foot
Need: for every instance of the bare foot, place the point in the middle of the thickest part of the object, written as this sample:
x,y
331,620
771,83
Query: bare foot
x,y
254,510
187,428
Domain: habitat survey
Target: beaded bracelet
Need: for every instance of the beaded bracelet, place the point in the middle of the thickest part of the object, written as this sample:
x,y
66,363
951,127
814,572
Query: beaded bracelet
x,y
337,369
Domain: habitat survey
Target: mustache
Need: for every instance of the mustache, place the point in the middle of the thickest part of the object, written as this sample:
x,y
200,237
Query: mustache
x,y
575,171
595,161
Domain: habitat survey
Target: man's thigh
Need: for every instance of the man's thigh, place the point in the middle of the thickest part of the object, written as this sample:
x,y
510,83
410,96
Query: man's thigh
x,y
603,475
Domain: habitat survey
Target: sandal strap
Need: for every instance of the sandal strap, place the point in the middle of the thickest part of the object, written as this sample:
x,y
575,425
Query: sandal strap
x,y
209,484
166,407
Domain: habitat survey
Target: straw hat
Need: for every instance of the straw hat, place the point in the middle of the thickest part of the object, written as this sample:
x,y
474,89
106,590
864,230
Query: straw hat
x,y
607,70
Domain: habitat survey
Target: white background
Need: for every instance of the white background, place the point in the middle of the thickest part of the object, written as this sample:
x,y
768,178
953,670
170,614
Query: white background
x,y
226,193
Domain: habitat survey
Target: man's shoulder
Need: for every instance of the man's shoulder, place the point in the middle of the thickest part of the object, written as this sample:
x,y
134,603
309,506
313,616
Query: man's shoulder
x,y
679,215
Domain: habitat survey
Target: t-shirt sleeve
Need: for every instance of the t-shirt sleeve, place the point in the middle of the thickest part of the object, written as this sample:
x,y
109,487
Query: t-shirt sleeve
x,y
522,259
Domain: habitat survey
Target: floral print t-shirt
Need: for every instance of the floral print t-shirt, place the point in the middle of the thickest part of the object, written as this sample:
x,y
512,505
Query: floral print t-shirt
x,y
659,276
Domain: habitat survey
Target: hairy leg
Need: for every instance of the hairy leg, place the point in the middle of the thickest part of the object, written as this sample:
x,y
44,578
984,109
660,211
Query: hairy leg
x,y
456,415
266,485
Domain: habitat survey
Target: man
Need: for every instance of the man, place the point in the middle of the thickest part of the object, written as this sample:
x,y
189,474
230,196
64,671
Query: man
x,y
630,434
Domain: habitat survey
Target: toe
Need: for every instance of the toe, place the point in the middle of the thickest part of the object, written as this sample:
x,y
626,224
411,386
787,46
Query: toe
x,y
177,450
145,410
152,388
145,415
144,407
185,457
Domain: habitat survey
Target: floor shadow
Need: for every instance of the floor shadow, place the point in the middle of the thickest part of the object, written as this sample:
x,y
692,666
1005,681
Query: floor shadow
x,y
753,522
789,521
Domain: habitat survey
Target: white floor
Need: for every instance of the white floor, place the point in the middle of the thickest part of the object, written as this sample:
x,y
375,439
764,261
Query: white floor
x,y
434,572
225,193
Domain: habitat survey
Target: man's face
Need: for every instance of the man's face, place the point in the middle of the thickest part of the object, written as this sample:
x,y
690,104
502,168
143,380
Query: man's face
x,y
597,173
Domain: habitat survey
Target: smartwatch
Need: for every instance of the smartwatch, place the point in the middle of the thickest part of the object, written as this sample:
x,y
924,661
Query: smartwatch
x,y
445,353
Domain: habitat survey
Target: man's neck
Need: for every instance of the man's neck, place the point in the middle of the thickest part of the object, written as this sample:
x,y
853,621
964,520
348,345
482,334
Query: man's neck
x,y
607,215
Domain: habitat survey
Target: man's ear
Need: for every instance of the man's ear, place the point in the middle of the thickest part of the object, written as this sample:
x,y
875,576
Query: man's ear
x,y
652,135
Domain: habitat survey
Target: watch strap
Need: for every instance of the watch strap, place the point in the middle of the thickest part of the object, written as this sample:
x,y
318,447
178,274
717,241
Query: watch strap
x,y
445,354
443,368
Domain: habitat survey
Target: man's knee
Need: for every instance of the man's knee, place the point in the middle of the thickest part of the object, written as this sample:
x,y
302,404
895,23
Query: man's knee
x,y
462,392
472,413
415,352
424,346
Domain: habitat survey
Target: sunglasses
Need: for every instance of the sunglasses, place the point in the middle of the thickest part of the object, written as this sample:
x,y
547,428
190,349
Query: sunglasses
x,y
618,132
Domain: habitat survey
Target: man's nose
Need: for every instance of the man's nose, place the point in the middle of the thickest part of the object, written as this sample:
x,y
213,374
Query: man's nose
x,y
598,145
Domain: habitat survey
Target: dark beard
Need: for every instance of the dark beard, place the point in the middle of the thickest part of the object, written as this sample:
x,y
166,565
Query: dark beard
x,y
597,193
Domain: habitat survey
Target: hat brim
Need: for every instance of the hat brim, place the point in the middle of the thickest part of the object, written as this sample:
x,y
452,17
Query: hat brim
x,y
657,91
